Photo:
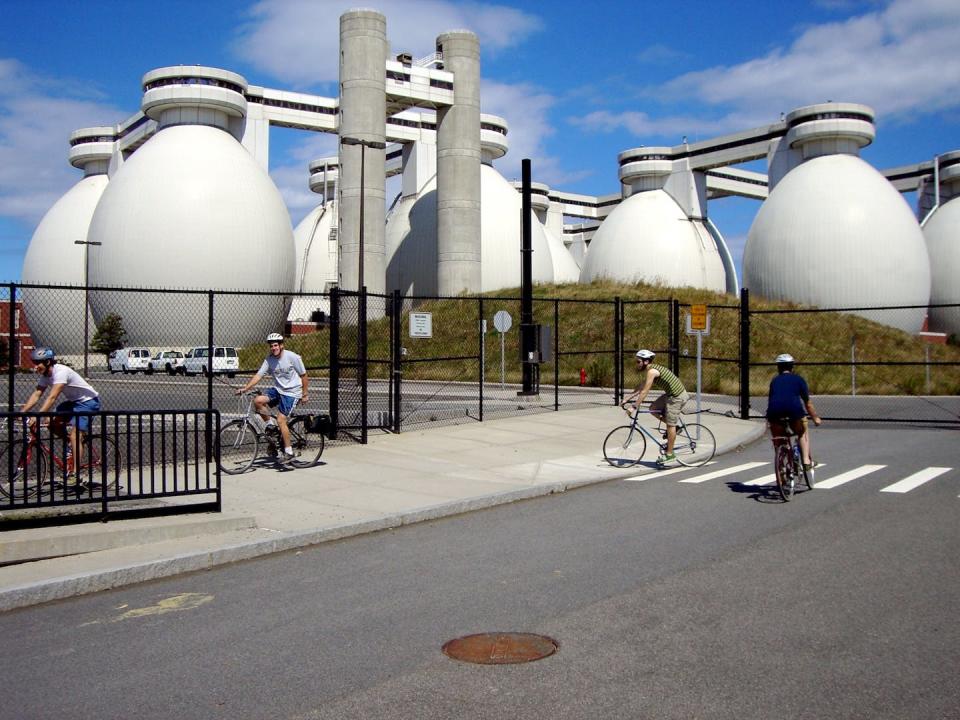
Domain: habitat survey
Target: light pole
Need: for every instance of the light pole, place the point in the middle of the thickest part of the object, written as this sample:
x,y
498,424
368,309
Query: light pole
x,y
364,144
86,299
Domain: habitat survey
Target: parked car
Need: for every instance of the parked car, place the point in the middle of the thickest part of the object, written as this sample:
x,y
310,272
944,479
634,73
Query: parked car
x,y
128,360
168,361
225,361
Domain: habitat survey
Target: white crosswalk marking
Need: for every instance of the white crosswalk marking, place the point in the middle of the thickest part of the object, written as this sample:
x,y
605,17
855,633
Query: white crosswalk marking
x,y
661,473
768,479
916,480
765,480
847,476
725,471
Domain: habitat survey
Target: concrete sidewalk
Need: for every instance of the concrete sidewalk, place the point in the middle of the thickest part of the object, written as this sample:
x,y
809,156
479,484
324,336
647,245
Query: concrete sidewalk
x,y
393,480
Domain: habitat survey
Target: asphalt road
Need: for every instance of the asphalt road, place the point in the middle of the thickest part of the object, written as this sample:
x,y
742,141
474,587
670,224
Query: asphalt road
x,y
669,599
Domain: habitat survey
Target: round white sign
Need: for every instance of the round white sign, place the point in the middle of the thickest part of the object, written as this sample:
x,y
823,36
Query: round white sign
x,y
502,321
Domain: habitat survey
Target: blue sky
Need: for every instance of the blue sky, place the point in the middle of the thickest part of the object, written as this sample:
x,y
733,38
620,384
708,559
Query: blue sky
x,y
578,82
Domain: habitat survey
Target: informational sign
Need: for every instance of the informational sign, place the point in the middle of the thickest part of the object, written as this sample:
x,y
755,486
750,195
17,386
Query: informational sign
x,y
698,323
698,317
421,325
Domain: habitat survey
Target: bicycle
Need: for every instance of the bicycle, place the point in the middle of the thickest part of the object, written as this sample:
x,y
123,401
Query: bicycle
x,y
788,461
625,445
39,470
239,440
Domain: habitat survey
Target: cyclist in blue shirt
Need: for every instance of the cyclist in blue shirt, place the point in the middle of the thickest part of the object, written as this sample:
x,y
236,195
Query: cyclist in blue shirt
x,y
789,399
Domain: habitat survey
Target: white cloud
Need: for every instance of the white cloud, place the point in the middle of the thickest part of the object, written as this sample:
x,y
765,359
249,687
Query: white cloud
x,y
38,117
526,108
297,41
901,59
292,178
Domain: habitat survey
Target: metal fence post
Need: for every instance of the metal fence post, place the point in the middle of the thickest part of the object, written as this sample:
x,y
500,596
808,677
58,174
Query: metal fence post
x,y
483,351
362,335
675,336
13,353
210,350
556,354
334,389
744,353
397,359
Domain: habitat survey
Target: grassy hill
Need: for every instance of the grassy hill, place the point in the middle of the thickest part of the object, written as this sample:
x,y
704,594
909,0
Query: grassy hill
x,y
586,325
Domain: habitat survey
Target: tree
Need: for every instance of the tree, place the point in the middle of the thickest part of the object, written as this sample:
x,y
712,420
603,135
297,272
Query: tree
x,y
109,335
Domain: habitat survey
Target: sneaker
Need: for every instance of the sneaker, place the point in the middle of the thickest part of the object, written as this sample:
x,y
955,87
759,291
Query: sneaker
x,y
809,470
285,458
665,458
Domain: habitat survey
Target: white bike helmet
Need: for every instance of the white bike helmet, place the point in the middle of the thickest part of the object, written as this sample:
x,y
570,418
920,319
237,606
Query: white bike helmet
x,y
274,337
784,359
646,354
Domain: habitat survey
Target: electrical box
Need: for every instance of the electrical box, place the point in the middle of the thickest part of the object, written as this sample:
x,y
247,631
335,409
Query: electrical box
x,y
540,342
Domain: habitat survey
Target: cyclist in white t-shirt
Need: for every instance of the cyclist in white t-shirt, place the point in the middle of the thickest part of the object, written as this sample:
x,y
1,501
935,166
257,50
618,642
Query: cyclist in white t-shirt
x,y
73,391
291,380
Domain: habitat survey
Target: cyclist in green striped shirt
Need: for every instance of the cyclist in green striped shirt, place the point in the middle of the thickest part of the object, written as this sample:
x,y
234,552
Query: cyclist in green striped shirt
x,y
667,407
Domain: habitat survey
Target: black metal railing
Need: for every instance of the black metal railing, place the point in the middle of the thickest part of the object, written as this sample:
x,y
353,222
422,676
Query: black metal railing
x,y
144,462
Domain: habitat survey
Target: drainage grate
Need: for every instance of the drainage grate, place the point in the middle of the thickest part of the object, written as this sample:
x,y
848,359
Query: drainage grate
x,y
500,648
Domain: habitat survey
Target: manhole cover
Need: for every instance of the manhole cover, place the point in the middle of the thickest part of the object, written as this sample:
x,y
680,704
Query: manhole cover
x,y
500,648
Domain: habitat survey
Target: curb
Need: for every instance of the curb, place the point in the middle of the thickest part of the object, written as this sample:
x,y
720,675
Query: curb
x,y
98,580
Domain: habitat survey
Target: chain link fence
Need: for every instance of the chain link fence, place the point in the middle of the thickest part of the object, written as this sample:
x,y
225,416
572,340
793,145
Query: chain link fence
x,y
384,362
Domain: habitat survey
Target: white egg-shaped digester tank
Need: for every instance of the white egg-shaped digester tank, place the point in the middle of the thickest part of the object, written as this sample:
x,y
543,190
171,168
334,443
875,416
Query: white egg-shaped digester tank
x,y
649,238
411,234
192,208
942,233
834,232
54,256
316,247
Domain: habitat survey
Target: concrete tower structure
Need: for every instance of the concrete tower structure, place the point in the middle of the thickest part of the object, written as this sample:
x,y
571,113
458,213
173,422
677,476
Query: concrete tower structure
x,y
413,238
458,168
191,208
363,112
55,258
942,233
833,231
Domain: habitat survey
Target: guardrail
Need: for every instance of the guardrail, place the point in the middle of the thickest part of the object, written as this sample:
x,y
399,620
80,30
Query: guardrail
x,y
143,462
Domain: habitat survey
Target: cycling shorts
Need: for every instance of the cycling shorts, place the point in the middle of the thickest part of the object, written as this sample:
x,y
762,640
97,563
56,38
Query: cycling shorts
x,y
80,422
284,403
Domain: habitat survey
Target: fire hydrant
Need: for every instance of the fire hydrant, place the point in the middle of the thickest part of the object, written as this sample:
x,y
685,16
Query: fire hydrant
x,y
583,377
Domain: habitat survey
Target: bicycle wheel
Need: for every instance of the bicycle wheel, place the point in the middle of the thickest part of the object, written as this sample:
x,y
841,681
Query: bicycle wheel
x,y
695,445
95,467
238,444
307,446
624,446
29,472
785,472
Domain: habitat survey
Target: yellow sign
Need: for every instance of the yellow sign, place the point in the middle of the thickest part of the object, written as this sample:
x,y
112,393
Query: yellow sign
x,y
698,317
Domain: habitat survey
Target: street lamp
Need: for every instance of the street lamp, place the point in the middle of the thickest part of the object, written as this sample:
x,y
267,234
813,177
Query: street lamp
x,y
364,144
86,299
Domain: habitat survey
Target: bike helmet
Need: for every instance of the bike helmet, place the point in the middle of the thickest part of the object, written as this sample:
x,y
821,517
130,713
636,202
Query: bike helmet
x,y
42,353
646,354
785,359
274,337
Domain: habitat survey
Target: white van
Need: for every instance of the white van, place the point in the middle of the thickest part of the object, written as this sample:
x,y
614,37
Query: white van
x,y
225,361
129,360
